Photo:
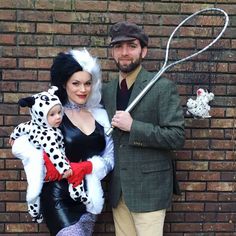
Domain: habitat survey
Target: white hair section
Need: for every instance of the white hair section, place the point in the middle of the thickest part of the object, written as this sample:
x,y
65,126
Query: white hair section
x,y
90,64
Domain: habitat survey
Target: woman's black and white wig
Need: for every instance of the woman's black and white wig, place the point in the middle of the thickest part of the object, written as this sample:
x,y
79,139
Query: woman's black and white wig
x,y
66,64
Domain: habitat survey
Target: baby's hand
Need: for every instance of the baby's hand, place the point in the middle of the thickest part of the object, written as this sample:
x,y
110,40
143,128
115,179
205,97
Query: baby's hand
x,y
67,174
11,141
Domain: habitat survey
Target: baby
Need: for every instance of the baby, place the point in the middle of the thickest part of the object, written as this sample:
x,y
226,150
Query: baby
x,y
43,133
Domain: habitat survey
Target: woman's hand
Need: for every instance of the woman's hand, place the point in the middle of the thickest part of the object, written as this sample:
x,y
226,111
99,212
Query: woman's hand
x,y
79,169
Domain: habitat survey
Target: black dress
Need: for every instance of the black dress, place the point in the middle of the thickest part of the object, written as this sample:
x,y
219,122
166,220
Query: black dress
x,y
58,209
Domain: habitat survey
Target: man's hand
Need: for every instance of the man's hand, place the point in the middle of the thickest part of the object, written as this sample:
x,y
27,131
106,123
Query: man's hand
x,y
122,120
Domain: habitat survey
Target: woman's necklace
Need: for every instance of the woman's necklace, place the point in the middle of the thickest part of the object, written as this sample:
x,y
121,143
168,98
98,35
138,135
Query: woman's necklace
x,y
74,106
80,117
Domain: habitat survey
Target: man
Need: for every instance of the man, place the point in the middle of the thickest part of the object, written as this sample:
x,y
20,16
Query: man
x,y
142,181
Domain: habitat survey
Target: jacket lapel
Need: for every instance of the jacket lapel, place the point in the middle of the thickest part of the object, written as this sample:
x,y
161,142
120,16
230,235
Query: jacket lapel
x,y
113,94
140,83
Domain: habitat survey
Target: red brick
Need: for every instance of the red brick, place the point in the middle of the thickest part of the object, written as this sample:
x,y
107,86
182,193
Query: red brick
x,y
73,40
7,63
8,110
16,185
9,196
193,196
204,176
190,8
230,155
227,197
193,186
7,39
8,86
59,4
82,17
221,207
162,7
221,123
207,133
35,63
208,155
19,52
199,217
53,28
90,29
31,39
50,51
13,164
222,144
16,4
196,165
44,76
17,27
188,207
196,144
7,15
221,187
223,166
20,227
214,227
186,227
34,16
13,98
9,217
19,75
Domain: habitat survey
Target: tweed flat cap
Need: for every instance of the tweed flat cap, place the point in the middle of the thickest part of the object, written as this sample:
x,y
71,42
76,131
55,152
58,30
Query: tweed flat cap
x,y
126,31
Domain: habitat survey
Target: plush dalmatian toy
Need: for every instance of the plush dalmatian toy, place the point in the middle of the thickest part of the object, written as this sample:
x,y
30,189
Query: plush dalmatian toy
x,y
199,108
48,139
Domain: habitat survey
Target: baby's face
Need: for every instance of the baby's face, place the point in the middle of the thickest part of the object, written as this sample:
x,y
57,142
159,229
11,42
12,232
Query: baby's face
x,y
54,116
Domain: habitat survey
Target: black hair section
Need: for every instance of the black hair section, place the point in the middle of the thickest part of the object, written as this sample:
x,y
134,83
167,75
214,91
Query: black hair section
x,y
63,67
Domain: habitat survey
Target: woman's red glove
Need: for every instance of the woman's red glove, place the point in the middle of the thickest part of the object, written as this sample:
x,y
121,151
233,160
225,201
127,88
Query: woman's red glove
x,y
52,174
80,169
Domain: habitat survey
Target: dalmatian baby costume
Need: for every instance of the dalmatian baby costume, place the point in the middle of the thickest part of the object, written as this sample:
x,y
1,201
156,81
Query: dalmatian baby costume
x,y
46,138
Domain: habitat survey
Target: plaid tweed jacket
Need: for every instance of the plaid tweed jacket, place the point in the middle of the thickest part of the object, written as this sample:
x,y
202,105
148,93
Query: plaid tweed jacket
x,y
143,171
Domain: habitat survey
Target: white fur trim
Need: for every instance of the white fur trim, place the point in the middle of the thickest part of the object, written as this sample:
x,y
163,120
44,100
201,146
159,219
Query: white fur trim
x,y
99,168
95,194
101,117
33,163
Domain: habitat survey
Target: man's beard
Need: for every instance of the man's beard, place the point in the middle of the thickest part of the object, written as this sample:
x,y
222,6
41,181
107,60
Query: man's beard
x,y
129,68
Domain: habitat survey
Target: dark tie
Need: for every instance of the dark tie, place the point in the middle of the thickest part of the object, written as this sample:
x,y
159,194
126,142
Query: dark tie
x,y
123,86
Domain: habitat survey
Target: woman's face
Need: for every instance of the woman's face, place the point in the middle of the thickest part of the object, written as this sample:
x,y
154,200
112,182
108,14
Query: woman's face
x,y
78,87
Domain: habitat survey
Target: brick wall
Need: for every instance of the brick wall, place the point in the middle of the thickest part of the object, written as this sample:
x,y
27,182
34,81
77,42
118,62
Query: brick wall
x,y
33,32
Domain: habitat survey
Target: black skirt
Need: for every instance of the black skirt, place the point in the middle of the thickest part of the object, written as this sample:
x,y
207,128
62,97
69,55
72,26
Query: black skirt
x,y
58,208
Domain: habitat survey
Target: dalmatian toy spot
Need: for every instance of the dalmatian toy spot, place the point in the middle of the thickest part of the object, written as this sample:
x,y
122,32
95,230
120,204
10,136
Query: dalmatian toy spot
x,y
200,107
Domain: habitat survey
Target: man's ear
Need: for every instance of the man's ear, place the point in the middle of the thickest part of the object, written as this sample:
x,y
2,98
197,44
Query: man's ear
x,y
144,52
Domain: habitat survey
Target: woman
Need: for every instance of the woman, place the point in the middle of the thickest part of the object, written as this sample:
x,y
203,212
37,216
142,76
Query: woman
x,y
78,78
